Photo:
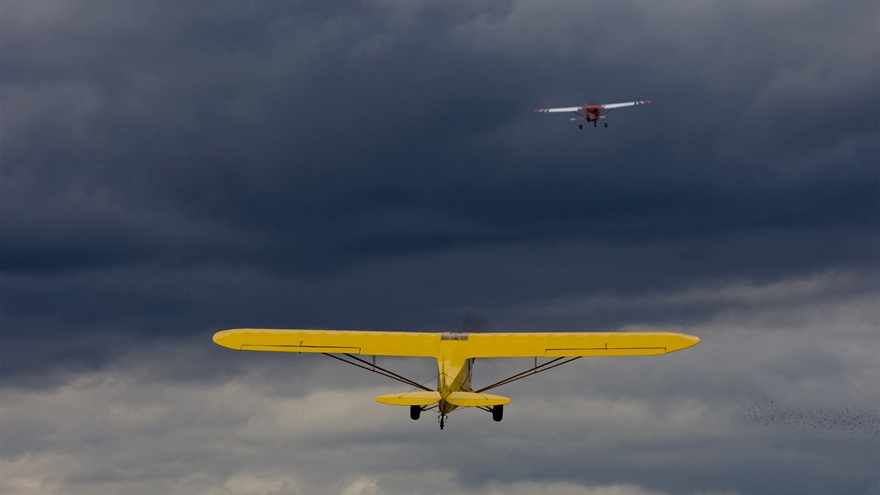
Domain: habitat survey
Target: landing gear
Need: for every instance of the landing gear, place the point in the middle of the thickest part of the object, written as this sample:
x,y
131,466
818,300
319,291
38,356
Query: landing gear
x,y
580,126
442,420
595,124
606,124
415,412
497,413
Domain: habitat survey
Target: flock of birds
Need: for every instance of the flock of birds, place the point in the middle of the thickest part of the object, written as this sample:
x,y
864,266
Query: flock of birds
x,y
850,419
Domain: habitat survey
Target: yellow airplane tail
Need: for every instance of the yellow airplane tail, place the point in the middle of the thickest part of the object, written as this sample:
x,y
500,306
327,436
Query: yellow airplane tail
x,y
473,399
410,398
465,399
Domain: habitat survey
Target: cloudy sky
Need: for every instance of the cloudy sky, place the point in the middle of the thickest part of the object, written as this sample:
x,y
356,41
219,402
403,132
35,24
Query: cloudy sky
x,y
171,169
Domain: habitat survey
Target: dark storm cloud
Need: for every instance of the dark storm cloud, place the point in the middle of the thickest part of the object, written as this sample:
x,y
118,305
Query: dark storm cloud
x,y
224,116
235,123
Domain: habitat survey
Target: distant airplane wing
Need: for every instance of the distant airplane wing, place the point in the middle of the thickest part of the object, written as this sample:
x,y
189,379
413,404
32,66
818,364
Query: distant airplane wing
x,y
331,341
474,345
501,345
611,106
555,110
607,106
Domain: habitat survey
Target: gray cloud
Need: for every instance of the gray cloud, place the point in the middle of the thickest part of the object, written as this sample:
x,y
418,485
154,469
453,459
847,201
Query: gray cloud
x,y
303,424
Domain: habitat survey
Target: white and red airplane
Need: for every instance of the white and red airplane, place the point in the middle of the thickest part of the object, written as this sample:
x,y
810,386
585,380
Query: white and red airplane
x,y
592,113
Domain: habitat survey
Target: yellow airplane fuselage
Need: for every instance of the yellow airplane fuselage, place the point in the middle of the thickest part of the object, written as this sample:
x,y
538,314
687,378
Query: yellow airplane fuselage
x,y
454,373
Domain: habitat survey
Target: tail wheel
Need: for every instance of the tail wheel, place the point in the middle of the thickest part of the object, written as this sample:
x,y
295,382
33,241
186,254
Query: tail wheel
x,y
415,412
497,413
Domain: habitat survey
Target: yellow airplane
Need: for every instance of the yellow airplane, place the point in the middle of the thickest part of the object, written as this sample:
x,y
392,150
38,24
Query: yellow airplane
x,y
455,354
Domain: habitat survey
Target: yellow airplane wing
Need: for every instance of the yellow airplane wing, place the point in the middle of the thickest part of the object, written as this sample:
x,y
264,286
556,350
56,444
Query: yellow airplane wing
x,y
474,345
331,341
551,345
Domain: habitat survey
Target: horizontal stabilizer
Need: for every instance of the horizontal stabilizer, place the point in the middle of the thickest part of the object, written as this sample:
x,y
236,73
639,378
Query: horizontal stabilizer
x,y
473,399
410,398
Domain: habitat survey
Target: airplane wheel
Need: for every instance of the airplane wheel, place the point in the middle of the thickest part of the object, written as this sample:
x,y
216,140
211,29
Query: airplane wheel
x,y
606,124
415,412
497,413
580,126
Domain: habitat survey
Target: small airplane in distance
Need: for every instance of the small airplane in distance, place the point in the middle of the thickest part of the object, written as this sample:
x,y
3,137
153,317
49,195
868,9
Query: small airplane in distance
x,y
592,113
455,354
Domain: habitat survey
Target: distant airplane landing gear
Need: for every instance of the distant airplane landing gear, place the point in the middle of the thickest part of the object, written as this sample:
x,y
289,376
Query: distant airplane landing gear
x,y
580,126
595,124
442,420
606,124
497,412
415,412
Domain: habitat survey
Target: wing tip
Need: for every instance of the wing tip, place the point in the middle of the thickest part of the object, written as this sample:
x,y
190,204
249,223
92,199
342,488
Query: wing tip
x,y
686,341
227,338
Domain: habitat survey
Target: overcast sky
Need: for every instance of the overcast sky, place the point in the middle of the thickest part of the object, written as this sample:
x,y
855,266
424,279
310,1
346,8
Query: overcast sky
x,y
170,170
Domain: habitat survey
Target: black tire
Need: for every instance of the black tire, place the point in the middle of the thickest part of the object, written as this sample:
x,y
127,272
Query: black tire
x,y
415,412
580,126
497,413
